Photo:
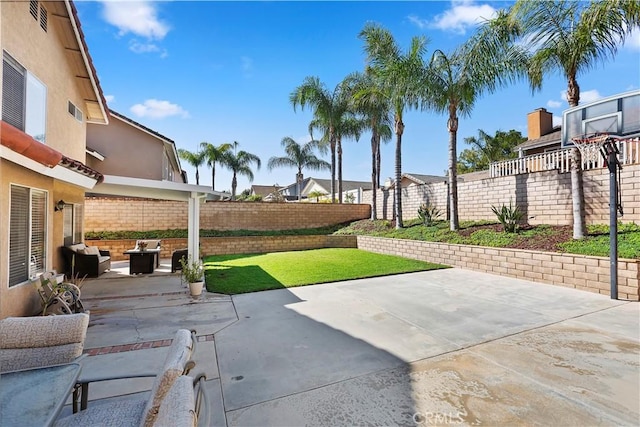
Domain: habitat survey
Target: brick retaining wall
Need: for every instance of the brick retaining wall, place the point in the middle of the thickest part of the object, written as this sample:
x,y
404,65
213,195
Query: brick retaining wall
x,y
544,197
587,273
233,245
126,214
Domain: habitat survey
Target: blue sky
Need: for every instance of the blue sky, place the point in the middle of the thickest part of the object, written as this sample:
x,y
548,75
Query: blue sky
x,y
223,71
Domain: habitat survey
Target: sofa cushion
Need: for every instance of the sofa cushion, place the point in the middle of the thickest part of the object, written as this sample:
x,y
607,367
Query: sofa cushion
x,y
102,259
77,247
90,250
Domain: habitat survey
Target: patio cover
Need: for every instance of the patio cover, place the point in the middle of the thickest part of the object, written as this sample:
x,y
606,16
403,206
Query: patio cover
x,y
163,190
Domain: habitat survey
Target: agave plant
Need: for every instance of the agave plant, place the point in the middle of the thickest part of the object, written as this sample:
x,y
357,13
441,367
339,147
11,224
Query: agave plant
x,y
509,217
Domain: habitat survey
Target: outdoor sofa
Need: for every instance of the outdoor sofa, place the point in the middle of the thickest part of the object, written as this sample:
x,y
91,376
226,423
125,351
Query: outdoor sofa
x,y
85,260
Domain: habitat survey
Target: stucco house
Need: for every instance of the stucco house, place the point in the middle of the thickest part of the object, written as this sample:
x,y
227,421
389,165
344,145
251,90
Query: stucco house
x,y
50,93
127,148
351,190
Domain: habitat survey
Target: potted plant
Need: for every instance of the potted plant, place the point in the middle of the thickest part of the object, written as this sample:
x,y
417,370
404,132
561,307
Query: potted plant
x,y
193,273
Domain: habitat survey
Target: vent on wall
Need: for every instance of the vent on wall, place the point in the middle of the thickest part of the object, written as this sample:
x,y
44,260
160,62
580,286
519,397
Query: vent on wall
x,y
34,7
43,18
75,111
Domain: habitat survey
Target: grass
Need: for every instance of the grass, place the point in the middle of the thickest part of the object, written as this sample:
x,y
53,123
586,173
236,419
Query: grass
x,y
540,237
598,242
235,274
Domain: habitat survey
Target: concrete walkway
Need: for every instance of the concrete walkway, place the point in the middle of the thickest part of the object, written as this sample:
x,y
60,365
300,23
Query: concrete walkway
x,y
431,348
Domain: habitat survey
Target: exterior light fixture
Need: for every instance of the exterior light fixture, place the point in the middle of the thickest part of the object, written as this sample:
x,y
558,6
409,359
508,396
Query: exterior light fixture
x,y
59,206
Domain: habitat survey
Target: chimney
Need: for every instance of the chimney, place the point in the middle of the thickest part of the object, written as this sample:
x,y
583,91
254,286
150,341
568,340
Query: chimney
x,y
539,123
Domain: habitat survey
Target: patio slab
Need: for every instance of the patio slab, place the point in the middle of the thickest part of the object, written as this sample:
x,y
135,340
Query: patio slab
x,y
427,348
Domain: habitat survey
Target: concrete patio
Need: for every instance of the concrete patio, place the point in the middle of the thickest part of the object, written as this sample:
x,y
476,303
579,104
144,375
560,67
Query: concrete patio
x,y
431,348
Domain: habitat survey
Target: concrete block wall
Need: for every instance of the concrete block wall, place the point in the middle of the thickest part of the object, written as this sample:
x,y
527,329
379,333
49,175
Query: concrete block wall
x,y
232,245
574,271
544,197
125,214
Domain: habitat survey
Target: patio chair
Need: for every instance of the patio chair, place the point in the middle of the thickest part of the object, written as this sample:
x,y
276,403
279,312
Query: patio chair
x,y
177,362
58,298
186,404
35,342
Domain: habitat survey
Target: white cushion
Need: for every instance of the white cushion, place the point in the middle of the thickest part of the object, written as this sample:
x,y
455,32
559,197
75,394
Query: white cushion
x,y
92,250
77,247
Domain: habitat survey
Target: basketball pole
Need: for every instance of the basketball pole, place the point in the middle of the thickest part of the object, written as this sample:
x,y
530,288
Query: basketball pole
x,y
612,163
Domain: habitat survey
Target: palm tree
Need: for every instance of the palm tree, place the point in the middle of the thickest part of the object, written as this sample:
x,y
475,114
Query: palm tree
x,y
371,104
399,76
453,83
194,159
240,163
329,110
214,155
298,156
571,37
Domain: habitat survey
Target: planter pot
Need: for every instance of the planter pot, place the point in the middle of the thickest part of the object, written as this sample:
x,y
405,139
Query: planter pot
x,y
195,288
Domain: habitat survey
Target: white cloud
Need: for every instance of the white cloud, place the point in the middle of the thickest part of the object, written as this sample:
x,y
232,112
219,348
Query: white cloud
x,y
634,39
462,15
157,109
553,103
586,96
557,120
109,98
418,22
138,47
247,64
139,17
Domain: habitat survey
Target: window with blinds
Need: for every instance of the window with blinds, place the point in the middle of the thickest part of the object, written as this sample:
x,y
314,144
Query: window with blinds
x,y
27,233
72,228
24,99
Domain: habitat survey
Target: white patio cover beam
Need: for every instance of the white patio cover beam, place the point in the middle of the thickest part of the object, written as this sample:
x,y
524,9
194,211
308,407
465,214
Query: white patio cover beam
x,y
193,236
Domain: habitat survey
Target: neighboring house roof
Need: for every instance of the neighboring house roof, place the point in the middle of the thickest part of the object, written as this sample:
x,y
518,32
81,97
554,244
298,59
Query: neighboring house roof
x,y
325,184
24,146
474,176
551,138
76,47
424,179
264,190
169,143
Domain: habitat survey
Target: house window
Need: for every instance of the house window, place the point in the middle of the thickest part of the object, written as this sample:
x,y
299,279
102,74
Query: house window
x,y
72,228
167,170
27,233
24,99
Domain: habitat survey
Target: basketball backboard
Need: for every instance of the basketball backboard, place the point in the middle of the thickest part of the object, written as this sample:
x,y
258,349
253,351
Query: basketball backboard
x,y
617,115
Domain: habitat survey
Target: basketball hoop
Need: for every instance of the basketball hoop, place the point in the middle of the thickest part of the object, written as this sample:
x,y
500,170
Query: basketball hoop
x,y
590,146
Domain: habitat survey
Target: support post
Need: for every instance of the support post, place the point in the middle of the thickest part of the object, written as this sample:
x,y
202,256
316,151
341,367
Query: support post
x,y
193,236
612,163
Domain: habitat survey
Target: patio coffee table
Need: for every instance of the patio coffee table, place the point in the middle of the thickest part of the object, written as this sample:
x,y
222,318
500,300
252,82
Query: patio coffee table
x,y
35,397
142,261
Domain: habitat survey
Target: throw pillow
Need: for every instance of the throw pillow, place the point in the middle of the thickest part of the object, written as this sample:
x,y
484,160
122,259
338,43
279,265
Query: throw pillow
x,y
92,250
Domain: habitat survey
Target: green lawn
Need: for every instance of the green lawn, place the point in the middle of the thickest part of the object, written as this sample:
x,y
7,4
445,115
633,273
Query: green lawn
x,y
236,274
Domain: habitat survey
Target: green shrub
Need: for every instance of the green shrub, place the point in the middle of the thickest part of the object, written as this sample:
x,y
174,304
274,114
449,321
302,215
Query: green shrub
x,y
428,214
509,217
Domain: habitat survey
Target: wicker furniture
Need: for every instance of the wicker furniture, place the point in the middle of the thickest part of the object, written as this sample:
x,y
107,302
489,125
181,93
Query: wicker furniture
x,y
34,342
85,261
135,411
176,257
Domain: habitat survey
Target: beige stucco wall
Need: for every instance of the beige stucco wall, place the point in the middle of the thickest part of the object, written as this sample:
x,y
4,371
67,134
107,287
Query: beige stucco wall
x,y
43,55
128,151
21,300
